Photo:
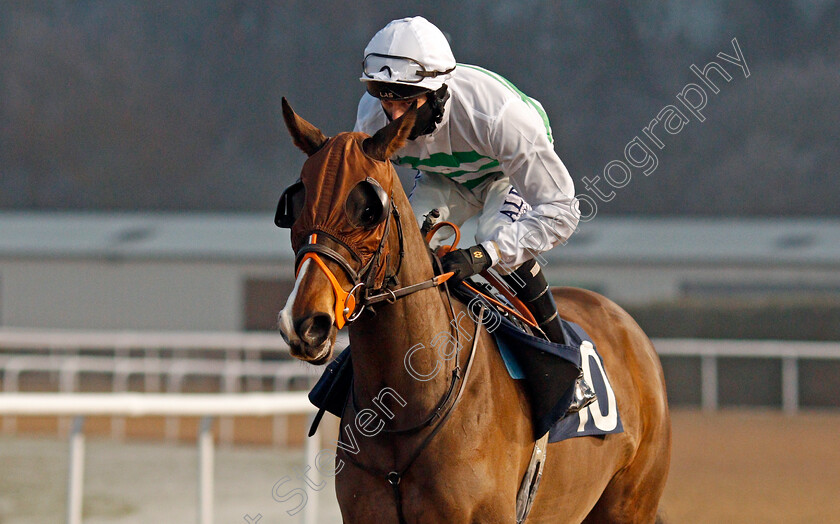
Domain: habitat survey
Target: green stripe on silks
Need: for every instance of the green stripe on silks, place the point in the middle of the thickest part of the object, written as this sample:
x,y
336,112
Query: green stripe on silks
x,y
438,160
453,174
471,184
525,98
442,159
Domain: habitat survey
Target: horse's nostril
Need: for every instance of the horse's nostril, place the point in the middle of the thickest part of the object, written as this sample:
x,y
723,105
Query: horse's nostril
x,y
314,329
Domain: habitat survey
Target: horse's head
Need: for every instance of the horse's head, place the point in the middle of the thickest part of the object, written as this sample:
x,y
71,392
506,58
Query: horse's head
x,y
339,213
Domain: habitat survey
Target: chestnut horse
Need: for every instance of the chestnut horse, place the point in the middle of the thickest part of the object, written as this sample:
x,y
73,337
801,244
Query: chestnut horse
x,y
439,460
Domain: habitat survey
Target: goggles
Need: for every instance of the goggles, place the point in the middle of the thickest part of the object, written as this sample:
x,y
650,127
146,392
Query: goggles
x,y
393,68
390,91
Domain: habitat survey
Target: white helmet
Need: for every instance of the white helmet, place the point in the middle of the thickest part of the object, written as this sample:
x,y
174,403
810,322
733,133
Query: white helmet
x,y
410,54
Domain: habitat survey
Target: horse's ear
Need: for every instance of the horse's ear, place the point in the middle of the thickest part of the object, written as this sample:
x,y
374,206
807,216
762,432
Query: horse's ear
x,y
390,138
306,136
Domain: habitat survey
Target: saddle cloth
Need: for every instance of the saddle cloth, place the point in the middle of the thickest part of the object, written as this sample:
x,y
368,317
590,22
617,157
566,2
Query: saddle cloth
x,y
547,369
599,418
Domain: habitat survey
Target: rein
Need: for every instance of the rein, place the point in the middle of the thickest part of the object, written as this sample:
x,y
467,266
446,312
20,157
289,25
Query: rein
x,y
456,373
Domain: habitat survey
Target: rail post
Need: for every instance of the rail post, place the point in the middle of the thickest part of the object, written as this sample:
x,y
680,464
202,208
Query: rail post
x,y
790,384
709,382
76,472
310,452
205,471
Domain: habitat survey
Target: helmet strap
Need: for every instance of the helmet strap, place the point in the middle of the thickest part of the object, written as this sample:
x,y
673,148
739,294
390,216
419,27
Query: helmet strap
x,y
430,114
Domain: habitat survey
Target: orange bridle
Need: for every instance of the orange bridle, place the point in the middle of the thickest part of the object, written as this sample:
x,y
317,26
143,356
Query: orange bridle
x,y
345,303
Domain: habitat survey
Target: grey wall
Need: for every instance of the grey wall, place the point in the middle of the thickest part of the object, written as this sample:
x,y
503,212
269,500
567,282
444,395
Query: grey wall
x,y
175,105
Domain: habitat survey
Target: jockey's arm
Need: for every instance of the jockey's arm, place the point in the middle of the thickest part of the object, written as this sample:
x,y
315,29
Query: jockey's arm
x,y
520,140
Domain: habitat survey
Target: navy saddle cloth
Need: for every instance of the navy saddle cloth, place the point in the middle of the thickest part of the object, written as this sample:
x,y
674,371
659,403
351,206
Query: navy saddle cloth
x,y
548,369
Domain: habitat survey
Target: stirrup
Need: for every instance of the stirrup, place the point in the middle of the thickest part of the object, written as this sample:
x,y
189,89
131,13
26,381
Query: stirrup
x,y
583,395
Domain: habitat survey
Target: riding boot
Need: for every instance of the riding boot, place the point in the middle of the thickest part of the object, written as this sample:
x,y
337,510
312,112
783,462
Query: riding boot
x,y
530,286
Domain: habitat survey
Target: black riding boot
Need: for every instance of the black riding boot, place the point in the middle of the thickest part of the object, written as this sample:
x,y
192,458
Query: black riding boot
x,y
530,286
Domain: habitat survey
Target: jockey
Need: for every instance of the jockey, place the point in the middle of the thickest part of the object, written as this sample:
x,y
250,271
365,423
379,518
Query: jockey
x,y
480,147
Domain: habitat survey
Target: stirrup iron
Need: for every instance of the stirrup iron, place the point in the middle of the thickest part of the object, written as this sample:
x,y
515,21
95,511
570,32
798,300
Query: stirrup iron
x,y
531,480
583,395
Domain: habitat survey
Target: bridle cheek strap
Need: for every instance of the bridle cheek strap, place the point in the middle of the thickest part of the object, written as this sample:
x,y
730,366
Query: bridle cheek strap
x,y
345,303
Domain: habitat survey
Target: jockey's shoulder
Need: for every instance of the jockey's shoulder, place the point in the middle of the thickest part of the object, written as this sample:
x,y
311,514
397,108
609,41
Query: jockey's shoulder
x,y
481,90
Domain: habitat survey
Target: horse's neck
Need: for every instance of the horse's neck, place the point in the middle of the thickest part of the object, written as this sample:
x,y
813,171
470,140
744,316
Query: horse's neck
x,y
382,341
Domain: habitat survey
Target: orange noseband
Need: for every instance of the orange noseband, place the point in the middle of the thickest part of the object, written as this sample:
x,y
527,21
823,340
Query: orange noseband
x,y
345,303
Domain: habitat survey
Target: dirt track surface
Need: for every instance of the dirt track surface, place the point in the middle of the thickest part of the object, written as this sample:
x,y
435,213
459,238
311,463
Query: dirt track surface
x,y
754,466
727,467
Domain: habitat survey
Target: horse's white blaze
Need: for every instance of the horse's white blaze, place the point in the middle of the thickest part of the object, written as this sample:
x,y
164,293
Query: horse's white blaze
x,y
284,319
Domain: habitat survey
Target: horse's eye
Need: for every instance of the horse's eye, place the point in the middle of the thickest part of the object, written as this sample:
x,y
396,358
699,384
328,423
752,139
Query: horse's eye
x,y
367,205
291,205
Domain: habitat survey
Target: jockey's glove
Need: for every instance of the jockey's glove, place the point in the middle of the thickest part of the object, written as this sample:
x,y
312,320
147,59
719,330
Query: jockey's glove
x,y
465,262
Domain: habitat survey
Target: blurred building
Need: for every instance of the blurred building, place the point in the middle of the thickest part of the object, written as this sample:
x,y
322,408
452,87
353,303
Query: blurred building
x,y
217,271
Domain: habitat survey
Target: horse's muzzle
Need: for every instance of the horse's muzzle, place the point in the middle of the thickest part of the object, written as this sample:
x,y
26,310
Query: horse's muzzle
x,y
311,338
314,329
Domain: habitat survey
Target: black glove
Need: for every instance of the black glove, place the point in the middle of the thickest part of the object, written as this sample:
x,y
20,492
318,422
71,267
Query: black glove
x,y
465,263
